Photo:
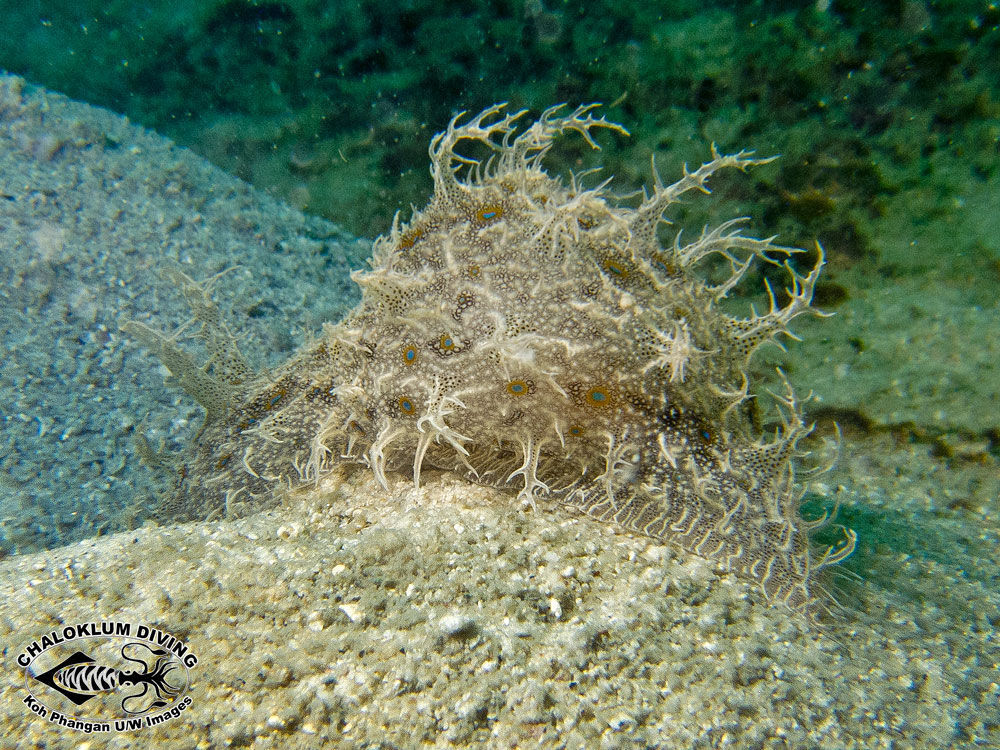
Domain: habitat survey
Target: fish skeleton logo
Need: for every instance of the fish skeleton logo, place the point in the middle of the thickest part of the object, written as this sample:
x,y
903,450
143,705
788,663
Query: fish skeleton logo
x,y
127,676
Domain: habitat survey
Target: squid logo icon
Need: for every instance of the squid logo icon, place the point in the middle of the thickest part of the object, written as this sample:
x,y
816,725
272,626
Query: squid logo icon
x,y
79,678
107,676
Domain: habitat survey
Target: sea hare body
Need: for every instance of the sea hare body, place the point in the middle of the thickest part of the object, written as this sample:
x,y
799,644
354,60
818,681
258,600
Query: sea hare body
x,y
532,335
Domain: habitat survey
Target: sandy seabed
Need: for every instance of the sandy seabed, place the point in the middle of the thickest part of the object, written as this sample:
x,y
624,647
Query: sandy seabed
x,y
448,616
445,616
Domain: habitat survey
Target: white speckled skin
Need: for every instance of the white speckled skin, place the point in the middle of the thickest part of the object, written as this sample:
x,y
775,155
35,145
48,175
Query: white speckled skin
x,y
535,335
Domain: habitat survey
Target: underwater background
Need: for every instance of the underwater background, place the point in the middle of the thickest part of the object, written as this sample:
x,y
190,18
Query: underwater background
x,y
886,117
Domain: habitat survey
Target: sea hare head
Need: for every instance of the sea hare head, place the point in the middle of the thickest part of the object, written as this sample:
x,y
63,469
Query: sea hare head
x,y
535,334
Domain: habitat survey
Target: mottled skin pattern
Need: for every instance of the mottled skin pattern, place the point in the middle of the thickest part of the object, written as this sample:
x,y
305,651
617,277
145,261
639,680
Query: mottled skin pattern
x,y
530,335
